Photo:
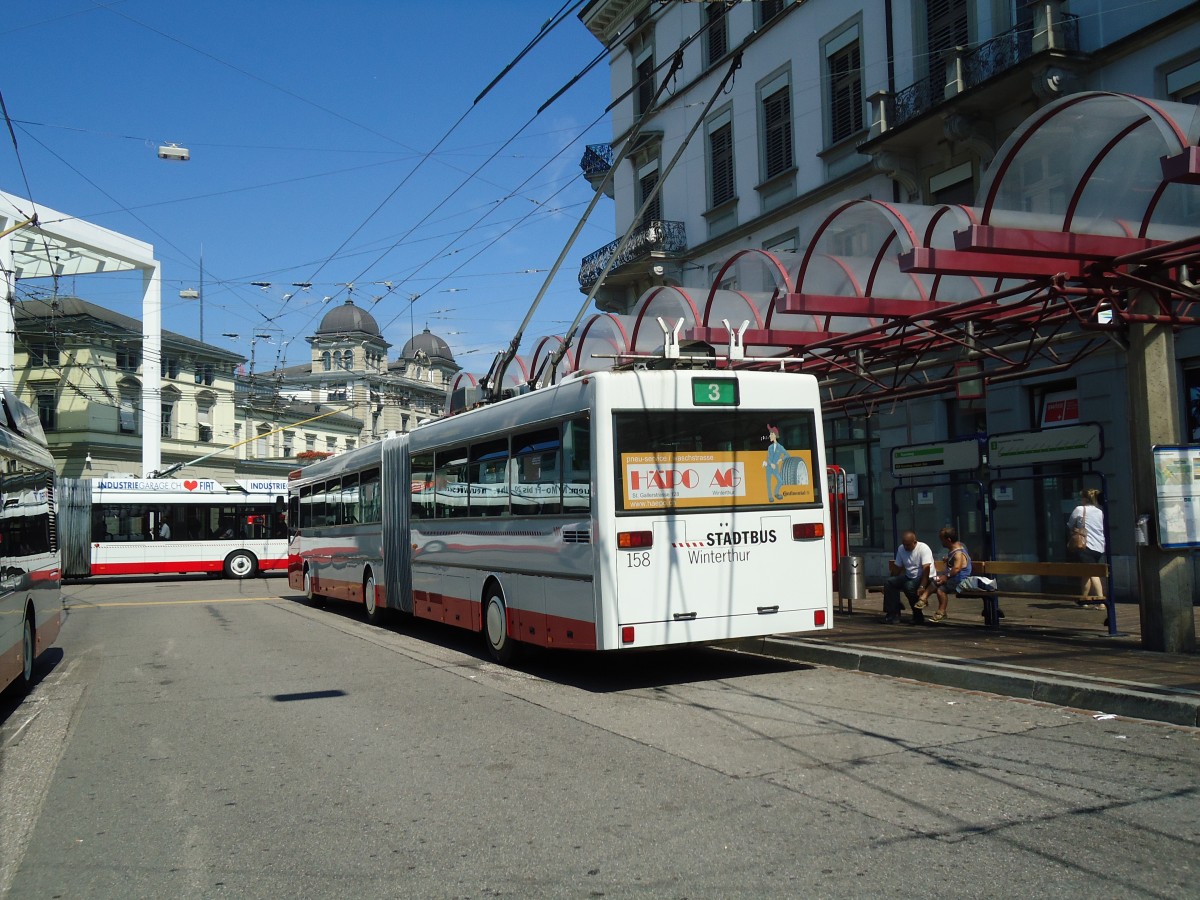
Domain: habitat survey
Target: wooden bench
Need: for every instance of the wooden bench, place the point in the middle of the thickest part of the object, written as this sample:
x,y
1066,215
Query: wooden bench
x,y
1000,569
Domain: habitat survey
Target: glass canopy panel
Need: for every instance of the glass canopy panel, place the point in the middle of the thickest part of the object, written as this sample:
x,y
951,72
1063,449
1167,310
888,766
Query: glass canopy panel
x,y
669,303
737,307
1177,215
1111,141
1118,192
600,339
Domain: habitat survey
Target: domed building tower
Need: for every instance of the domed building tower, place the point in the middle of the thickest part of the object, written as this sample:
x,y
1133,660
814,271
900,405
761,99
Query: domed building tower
x,y
426,357
349,368
348,340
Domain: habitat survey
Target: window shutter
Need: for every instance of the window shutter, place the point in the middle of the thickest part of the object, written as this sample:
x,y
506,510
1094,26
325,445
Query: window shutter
x,y
845,85
777,128
720,143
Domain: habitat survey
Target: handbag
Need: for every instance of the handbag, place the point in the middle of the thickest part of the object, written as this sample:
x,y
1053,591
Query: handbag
x,y
1078,539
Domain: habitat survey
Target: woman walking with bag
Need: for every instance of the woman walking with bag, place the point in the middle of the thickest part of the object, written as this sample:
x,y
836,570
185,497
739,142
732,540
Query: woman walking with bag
x,y
1085,539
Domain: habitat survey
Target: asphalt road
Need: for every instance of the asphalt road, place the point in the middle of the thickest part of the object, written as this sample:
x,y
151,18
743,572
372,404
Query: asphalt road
x,y
215,738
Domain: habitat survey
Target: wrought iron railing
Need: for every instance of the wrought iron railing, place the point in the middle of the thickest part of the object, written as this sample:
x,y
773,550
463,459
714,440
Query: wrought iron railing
x,y
656,236
597,159
985,62
916,99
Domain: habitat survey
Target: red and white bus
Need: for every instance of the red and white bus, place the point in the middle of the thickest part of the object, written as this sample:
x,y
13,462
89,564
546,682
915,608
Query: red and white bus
x,y
30,600
615,510
162,526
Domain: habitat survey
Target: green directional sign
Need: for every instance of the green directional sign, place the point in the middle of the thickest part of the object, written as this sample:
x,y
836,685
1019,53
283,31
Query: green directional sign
x,y
715,392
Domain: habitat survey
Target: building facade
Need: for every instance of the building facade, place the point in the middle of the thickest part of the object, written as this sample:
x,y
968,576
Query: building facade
x,y
898,101
349,366
80,366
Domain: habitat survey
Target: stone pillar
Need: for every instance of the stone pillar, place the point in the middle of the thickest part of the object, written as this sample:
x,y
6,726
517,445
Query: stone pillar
x,y
1163,577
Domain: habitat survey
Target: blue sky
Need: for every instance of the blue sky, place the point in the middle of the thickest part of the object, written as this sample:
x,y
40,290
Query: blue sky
x,y
307,123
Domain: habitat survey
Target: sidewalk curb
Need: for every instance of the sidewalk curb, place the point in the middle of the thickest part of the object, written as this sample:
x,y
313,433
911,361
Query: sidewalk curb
x,y
1075,691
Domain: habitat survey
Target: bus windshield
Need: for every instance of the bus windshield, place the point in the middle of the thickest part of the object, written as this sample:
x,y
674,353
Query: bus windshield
x,y
696,459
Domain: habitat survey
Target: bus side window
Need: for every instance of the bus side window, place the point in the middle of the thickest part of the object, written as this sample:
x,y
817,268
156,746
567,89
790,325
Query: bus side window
x,y
371,501
577,466
351,514
536,487
304,511
422,487
450,484
488,488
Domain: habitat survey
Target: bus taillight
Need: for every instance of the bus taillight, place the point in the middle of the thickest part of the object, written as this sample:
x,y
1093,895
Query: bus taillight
x,y
819,618
635,540
808,531
627,634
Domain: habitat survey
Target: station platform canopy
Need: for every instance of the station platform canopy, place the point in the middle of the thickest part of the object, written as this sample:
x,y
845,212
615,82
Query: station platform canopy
x,y
1094,197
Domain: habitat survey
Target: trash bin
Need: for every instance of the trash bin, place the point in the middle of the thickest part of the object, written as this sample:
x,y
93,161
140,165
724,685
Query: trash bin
x,y
852,581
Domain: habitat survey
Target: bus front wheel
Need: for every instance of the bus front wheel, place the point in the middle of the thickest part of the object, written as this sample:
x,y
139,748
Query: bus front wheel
x,y
495,628
374,610
313,598
240,564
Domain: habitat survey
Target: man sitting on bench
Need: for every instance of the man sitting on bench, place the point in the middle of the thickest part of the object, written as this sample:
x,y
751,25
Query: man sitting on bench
x,y
909,573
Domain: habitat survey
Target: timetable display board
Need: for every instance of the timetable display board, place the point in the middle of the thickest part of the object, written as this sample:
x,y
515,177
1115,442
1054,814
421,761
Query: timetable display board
x,y
1177,490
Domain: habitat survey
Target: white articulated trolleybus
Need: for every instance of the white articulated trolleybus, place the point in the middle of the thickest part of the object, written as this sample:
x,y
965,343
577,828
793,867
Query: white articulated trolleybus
x,y
30,600
617,509
163,526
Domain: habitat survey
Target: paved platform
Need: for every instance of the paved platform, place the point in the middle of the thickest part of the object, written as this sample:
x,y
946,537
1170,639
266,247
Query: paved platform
x,y
1049,651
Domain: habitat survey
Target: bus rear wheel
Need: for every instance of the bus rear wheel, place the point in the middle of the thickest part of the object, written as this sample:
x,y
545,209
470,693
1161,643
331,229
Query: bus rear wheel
x,y
28,650
495,628
370,601
240,564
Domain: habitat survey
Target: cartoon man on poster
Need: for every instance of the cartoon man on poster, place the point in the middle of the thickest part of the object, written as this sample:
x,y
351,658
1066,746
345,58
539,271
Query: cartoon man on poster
x,y
777,472
776,454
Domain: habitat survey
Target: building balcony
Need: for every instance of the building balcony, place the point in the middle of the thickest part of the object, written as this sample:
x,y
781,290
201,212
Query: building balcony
x,y
596,162
653,241
1035,58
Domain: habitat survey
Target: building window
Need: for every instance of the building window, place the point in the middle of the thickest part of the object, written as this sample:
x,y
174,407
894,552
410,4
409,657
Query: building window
x,y
204,408
310,442
330,445
261,450
720,161
716,33
168,419
844,72
47,410
768,9
205,374
43,355
777,128
643,72
1183,84
326,364
171,367
127,412
289,443
1191,386
647,182
945,28
128,359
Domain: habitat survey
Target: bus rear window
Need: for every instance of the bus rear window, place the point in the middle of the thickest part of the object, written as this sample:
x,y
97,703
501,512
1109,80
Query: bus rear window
x,y
694,459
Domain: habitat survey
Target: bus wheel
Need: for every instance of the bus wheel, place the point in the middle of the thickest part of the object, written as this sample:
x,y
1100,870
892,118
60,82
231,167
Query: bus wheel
x,y
28,650
240,564
311,596
495,628
374,610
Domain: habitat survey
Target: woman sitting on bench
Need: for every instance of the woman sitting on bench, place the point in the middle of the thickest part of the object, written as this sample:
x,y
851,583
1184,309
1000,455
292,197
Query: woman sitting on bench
x,y
957,569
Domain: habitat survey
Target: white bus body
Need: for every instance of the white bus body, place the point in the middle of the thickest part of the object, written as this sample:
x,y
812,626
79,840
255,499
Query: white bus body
x,y
616,510
30,601
238,530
